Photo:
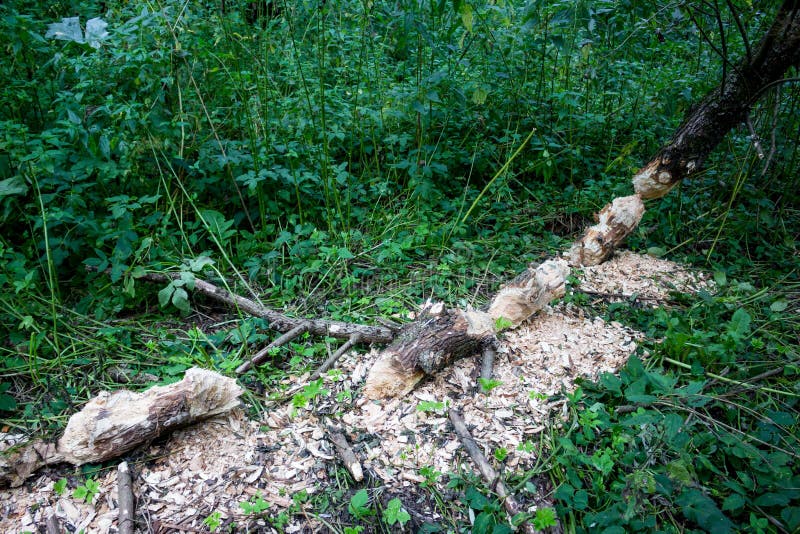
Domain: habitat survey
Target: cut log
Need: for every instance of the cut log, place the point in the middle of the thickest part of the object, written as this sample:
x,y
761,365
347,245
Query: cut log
x,y
440,336
112,424
529,292
614,223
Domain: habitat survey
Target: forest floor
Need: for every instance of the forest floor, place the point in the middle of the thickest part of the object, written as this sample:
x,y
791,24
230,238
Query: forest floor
x,y
406,446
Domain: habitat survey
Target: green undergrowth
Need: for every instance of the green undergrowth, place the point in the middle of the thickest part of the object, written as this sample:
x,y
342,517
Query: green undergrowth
x,y
351,159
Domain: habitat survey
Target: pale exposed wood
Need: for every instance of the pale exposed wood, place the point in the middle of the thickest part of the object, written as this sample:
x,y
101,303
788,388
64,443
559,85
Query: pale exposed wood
x,y
346,453
440,336
488,472
125,522
614,223
279,321
529,292
426,345
264,353
327,364
112,424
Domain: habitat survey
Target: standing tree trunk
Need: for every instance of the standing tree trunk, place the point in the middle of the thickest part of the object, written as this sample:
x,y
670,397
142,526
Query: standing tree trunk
x,y
725,107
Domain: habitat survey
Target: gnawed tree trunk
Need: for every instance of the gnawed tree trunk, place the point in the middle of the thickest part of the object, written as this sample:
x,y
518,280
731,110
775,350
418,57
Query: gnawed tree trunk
x,y
725,107
112,424
430,343
440,336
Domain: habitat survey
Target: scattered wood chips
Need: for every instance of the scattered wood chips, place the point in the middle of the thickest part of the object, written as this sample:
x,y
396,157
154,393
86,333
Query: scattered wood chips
x,y
215,465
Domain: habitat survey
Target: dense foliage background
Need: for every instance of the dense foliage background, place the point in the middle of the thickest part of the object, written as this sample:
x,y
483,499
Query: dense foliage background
x,y
349,159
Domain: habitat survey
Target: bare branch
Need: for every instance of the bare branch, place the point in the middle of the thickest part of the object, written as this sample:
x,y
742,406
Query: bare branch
x,y
354,339
489,474
264,353
346,454
125,523
278,321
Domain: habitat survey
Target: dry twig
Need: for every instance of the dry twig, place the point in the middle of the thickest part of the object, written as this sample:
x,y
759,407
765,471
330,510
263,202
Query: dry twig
x,y
346,454
487,471
327,364
125,523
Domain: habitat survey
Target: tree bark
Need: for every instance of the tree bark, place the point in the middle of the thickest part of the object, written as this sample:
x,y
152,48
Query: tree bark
x,y
112,424
725,107
440,336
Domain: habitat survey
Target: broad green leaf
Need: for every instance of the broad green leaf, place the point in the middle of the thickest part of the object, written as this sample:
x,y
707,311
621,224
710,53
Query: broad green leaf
x,y
779,305
165,295
181,299
13,186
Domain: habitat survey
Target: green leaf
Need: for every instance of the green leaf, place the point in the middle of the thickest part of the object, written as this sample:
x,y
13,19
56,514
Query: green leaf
x,y
165,295
701,509
395,513
740,322
779,305
60,486
345,254
181,299
734,501
773,499
13,186
501,323
358,504
545,518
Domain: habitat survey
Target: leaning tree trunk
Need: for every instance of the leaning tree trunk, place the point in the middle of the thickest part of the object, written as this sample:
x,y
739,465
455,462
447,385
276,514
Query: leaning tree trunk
x,y
434,340
725,107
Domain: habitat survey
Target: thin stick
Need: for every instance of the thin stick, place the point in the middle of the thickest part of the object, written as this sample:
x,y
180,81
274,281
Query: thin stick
x,y
487,471
346,454
264,353
278,321
52,526
127,508
488,362
333,358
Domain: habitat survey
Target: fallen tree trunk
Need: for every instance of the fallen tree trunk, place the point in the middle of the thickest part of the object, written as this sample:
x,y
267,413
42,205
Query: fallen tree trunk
x,y
112,424
440,336
430,343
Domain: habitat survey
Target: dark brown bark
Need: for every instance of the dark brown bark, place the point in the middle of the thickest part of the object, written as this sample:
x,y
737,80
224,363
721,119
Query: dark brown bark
x,y
726,106
440,336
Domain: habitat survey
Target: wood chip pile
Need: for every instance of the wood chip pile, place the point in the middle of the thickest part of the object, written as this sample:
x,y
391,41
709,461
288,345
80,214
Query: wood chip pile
x,y
215,465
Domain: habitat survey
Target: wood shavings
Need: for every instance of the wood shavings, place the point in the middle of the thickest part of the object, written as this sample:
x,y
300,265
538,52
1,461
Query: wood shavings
x,y
216,465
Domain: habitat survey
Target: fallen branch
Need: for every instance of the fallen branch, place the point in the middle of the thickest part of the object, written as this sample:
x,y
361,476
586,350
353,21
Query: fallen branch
x,y
264,353
327,364
125,522
112,424
491,476
52,525
278,321
488,361
346,454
